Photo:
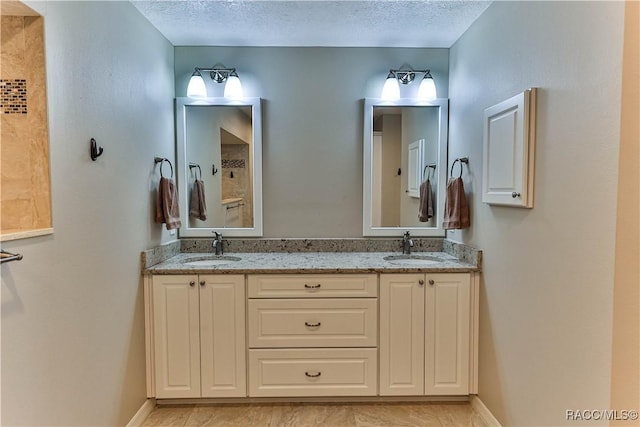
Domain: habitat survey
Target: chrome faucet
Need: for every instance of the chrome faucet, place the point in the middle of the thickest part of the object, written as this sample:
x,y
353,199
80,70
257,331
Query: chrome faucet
x,y
217,244
407,243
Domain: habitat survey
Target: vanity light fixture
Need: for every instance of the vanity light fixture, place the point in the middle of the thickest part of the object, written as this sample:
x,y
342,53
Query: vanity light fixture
x,y
391,89
219,74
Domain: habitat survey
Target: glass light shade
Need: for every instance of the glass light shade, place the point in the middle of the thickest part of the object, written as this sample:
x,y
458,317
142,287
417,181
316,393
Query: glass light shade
x,y
196,87
391,89
233,88
427,89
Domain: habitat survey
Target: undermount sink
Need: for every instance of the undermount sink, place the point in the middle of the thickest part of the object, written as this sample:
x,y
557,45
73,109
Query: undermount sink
x,y
210,261
412,259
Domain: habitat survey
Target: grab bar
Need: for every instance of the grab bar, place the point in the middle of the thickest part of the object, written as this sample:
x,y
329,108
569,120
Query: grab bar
x,y
235,206
8,256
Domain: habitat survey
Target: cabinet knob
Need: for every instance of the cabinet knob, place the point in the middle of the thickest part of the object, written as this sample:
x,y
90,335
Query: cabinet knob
x,y
514,194
202,283
312,325
421,282
432,282
192,283
310,375
308,286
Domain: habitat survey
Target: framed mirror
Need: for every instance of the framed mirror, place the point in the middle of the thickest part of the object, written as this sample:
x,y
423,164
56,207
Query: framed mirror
x,y
219,166
405,146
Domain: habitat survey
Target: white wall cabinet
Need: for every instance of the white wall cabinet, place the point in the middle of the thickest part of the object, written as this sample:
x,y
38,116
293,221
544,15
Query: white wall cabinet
x,y
426,334
508,151
198,336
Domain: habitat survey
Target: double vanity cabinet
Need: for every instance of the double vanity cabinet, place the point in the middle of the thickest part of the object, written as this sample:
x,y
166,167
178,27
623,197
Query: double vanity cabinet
x,y
311,335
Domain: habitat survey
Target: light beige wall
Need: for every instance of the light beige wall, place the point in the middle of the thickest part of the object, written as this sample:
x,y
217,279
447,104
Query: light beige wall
x,y
625,373
72,309
547,290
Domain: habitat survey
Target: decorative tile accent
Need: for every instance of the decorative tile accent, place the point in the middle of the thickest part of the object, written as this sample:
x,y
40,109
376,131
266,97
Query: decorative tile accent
x,y
13,96
238,164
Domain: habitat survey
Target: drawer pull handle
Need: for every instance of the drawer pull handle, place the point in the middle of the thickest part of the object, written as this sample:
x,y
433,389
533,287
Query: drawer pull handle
x,y
312,325
316,375
308,286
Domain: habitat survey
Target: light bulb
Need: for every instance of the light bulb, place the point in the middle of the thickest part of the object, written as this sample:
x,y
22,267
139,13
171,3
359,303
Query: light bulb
x,y
427,89
233,87
196,87
391,88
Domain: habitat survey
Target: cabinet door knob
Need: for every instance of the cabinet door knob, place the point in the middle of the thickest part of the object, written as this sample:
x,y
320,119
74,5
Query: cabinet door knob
x,y
202,283
421,282
308,286
514,194
312,325
316,375
192,283
432,282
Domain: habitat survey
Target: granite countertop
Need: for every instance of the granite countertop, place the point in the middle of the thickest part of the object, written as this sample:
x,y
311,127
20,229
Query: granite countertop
x,y
312,262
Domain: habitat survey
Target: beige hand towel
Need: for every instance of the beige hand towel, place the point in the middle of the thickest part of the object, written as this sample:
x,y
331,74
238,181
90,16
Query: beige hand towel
x,y
456,210
167,210
425,211
197,205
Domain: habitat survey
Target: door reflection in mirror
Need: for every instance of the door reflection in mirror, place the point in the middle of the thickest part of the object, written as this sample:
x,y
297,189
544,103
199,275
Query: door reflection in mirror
x,y
405,139
404,145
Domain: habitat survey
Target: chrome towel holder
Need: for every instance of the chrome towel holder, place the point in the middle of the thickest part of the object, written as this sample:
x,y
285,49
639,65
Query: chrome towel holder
x,y
161,160
195,165
8,256
429,166
462,160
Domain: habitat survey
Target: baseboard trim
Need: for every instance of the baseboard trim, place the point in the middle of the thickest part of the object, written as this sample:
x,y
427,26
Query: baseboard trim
x,y
340,399
484,412
142,414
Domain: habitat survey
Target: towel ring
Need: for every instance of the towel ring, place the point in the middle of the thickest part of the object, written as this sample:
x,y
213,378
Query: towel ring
x,y
431,166
195,165
461,160
161,160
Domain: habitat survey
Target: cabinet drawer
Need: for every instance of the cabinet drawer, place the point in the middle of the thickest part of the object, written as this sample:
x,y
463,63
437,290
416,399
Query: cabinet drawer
x,y
313,286
313,372
344,322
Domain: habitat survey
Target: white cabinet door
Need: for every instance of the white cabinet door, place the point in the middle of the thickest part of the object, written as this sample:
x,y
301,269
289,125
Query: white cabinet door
x,y
447,334
176,336
222,335
508,151
401,334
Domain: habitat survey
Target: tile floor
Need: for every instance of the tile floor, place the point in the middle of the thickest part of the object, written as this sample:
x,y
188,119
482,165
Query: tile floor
x,y
317,415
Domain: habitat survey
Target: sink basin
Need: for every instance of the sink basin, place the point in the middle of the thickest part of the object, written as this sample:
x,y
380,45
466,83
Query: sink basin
x,y
416,260
210,261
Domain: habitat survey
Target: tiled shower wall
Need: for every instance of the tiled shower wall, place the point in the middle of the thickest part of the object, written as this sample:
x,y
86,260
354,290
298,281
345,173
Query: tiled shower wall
x,y
25,182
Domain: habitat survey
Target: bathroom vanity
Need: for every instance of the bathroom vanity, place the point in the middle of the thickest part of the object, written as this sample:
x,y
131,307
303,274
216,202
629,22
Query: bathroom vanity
x,y
305,325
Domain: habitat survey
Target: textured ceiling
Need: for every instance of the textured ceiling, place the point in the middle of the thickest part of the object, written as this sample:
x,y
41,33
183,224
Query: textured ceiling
x,y
373,23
